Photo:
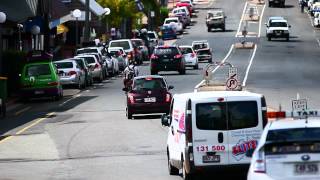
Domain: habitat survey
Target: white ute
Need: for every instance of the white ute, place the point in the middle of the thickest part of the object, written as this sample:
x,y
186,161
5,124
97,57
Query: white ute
x,y
210,130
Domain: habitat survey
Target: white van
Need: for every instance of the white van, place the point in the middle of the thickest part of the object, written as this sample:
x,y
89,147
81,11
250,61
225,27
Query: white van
x,y
127,45
213,130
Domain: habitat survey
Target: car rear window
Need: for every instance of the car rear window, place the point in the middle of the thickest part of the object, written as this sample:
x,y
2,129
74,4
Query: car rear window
x,y
166,51
186,50
38,70
124,44
297,140
84,51
148,83
227,116
203,52
89,60
64,65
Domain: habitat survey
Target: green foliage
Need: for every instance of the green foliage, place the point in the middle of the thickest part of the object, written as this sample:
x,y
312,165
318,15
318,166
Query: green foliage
x,y
164,11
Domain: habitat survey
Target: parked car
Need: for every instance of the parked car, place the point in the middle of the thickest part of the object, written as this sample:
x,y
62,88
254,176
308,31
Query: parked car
x,y
280,3
168,32
167,58
175,23
119,55
70,73
149,94
216,19
88,71
316,20
103,61
187,5
153,40
202,44
94,64
183,11
190,56
40,79
204,55
142,47
128,47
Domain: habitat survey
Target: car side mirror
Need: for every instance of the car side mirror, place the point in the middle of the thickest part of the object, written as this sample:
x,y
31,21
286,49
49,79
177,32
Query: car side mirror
x,y
170,87
249,152
125,89
225,17
165,120
289,26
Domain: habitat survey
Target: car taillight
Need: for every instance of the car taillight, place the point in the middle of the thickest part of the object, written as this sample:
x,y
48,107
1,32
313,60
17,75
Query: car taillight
x,y
53,83
193,55
131,98
154,56
72,73
168,98
260,164
178,56
97,66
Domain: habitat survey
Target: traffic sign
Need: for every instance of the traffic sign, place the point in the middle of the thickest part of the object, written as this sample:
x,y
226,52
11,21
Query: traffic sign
x,y
232,83
299,105
232,71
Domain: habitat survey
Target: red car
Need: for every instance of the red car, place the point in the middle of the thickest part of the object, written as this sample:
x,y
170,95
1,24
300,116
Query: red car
x,y
189,7
149,94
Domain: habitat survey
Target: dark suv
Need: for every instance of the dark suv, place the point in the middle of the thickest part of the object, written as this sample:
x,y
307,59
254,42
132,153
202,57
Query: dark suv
x,y
167,58
149,94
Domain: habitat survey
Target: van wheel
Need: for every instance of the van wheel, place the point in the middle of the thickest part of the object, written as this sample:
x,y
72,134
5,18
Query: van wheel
x,y
196,66
184,174
172,170
182,71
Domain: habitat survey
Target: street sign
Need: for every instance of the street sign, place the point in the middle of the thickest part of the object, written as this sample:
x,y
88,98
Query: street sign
x,y
152,14
299,105
232,71
232,83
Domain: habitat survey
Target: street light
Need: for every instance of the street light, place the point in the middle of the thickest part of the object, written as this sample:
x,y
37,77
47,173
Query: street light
x,y
35,30
20,26
107,12
76,13
3,18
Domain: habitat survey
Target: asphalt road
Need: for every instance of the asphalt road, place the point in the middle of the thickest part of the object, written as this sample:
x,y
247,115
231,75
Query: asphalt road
x,y
87,136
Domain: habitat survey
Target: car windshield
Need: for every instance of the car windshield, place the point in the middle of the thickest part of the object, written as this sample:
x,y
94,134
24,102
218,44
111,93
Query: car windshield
x,y
84,51
151,35
38,70
171,20
215,14
148,84
186,50
124,44
166,51
278,24
203,52
227,116
64,65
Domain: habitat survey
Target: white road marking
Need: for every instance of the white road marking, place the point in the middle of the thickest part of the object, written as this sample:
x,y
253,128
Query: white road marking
x,y
249,66
73,97
22,111
260,23
242,16
318,40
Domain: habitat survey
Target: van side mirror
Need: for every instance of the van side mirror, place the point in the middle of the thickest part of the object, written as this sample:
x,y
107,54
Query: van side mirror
x,y
249,152
289,26
165,120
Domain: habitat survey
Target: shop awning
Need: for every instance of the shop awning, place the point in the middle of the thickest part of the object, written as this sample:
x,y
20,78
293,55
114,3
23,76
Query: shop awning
x,y
19,12
94,7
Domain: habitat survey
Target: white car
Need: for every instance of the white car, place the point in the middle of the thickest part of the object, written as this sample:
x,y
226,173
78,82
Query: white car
x,y
94,63
203,44
184,12
175,23
190,56
277,27
315,8
316,20
121,56
288,149
210,130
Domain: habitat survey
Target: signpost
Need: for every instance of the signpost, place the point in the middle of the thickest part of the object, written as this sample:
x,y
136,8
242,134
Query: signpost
x,y
299,105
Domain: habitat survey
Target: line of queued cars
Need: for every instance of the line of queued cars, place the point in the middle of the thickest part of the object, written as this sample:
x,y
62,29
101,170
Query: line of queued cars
x,y
44,77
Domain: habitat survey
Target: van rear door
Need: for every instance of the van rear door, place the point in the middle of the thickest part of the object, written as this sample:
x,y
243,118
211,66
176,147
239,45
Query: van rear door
x,y
210,135
245,127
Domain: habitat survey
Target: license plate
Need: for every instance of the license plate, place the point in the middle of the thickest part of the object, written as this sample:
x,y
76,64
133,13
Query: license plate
x,y
39,92
211,159
152,99
165,60
307,168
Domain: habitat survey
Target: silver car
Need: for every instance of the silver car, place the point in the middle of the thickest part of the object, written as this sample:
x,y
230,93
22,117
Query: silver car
x,y
70,73
93,62
120,55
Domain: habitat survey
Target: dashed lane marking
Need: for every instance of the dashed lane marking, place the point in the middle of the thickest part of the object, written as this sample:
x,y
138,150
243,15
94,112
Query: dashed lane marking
x,y
22,111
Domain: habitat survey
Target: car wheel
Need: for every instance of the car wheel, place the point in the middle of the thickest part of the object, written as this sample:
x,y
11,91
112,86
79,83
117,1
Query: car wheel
x,y
287,38
128,113
196,66
154,72
209,29
184,174
172,170
182,71
223,28
210,60
79,85
269,38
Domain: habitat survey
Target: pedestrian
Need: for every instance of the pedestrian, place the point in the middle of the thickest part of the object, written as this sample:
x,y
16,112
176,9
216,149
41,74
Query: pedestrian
x,y
302,5
129,73
118,34
113,33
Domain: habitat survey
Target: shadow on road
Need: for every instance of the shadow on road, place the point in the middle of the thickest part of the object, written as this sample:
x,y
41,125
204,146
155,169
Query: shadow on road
x,y
145,117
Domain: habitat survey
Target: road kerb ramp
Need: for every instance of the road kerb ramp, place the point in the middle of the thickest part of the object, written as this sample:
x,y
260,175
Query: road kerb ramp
x,y
252,18
246,45
261,2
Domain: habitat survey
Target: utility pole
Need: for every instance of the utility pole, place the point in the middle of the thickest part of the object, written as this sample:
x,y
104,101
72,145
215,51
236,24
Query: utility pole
x,y
86,26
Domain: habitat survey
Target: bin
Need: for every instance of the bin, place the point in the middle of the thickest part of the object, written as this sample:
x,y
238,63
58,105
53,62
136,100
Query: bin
x,y
3,96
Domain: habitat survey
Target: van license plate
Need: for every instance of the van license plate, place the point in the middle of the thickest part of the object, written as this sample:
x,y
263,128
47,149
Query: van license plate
x,y
307,168
152,99
211,159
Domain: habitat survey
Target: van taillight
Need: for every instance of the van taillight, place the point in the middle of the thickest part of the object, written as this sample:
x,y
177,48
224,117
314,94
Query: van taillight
x,y
72,73
188,123
97,66
131,98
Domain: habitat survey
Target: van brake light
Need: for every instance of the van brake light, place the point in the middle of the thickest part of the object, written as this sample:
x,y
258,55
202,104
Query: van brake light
x,y
131,98
274,114
168,97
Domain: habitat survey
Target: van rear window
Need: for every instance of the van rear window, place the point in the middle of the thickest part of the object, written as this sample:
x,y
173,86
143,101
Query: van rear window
x,y
38,70
227,116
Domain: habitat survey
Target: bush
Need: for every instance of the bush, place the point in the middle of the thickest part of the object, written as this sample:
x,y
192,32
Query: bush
x,y
164,12
13,62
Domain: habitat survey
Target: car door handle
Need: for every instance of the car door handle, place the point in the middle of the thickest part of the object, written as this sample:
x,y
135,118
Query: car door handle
x,y
220,137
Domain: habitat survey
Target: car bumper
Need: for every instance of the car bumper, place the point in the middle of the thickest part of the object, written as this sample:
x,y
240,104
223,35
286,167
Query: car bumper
x,y
204,58
96,73
171,66
275,35
41,92
69,80
149,108
167,36
191,62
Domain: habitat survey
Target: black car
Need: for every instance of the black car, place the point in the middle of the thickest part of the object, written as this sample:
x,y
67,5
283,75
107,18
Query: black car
x,y
167,58
204,55
280,3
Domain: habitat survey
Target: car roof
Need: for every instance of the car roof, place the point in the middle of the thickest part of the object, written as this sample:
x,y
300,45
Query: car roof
x,y
196,96
115,48
149,76
119,40
136,39
88,48
86,55
279,20
200,42
186,46
215,11
171,18
64,60
297,123
166,46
